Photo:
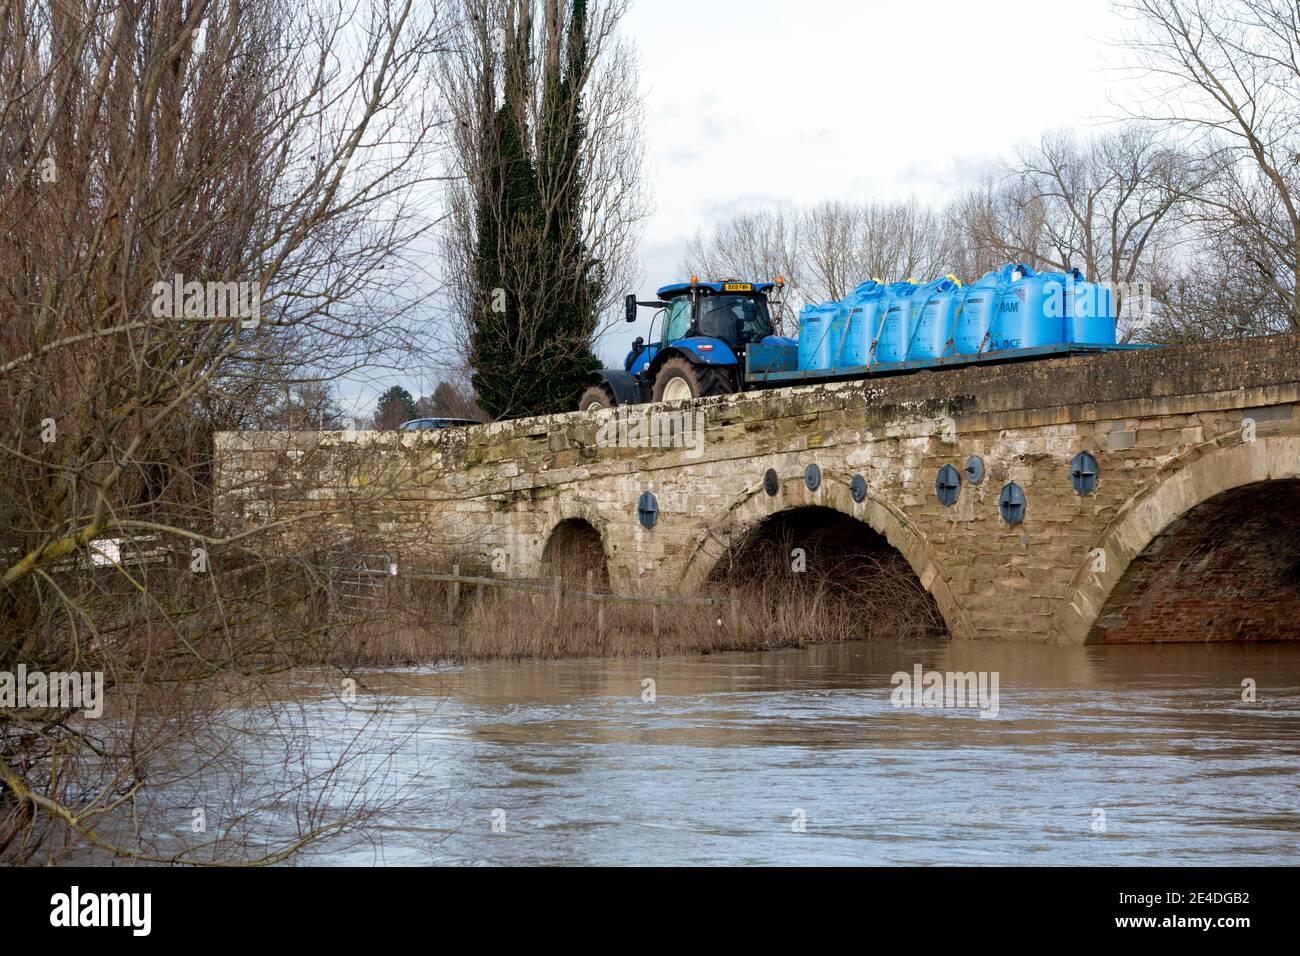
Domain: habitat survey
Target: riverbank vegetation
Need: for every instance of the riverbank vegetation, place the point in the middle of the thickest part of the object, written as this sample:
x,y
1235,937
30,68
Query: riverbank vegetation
x,y
755,602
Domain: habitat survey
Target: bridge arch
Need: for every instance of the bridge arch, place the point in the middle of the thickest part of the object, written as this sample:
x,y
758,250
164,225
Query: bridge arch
x,y
754,506
576,541
1203,483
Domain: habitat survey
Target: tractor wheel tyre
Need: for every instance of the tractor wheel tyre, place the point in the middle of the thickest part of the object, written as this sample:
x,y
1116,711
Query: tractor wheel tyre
x,y
680,379
596,396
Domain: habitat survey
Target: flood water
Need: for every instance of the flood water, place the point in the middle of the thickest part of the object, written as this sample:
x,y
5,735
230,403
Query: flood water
x,y
799,757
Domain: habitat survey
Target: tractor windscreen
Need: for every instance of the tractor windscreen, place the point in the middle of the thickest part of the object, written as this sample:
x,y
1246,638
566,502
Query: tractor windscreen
x,y
735,318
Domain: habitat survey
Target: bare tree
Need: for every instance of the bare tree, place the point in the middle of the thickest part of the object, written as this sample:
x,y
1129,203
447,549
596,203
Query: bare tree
x,y
847,243
834,252
451,400
761,245
302,406
824,251
1227,76
1111,206
977,230
204,203
906,240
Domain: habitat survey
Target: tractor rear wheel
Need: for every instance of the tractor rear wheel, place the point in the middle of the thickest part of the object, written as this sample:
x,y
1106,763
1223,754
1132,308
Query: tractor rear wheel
x,y
596,397
680,379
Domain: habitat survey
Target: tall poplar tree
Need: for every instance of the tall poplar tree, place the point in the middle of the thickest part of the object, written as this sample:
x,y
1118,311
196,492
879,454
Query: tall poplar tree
x,y
535,312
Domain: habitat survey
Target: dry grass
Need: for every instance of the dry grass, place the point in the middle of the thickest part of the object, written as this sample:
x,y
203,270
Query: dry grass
x,y
860,597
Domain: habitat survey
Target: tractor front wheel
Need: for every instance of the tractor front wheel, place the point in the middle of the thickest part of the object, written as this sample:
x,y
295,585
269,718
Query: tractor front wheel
x,y
595,398
680,379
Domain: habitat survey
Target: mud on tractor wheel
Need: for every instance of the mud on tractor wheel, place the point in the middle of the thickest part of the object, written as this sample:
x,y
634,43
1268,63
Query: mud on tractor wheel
x,y
680,379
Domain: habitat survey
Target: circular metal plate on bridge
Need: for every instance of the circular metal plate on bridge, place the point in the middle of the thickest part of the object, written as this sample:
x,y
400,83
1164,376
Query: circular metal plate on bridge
x,y
858,488
812,477
974,469
1083,473
1012,503
647,510
947,485
771,483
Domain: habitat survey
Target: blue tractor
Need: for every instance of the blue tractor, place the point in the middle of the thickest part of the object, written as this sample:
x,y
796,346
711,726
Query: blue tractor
x,y
711,334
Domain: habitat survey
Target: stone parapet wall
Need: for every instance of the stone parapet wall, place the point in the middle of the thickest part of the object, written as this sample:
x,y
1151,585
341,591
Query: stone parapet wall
x,y
1166,427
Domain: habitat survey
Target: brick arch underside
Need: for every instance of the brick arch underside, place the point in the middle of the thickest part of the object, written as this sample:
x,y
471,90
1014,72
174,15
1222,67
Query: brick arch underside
x,y
1207,551
1227,570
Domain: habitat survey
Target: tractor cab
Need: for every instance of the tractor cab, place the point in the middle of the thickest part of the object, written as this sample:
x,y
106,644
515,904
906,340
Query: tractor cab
x,y
706,330
732,312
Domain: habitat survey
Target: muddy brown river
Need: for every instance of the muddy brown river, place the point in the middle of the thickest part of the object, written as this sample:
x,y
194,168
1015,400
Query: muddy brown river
x,y
1126,755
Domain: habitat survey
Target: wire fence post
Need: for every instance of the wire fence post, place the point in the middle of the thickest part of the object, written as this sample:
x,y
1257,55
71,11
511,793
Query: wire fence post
x,y
453,592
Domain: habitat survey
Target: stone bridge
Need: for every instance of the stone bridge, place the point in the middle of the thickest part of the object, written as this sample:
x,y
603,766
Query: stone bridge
x,y
1181,523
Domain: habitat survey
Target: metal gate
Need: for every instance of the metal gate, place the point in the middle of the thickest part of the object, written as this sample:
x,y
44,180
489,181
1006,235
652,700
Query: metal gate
x,y
358,582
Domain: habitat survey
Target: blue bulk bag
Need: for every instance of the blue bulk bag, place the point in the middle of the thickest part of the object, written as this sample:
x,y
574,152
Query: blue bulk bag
x,y
863,305
933,317
821,332
979,307
893,324
1030,313
1089,311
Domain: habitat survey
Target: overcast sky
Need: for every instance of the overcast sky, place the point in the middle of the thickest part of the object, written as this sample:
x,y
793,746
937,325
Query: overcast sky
x,y
752,103
758,103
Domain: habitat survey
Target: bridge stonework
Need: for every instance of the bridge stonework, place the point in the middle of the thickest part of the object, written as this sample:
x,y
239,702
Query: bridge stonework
x,y
1198,437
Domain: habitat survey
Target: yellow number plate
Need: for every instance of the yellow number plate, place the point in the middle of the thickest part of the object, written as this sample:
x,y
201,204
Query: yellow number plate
x,y
738,287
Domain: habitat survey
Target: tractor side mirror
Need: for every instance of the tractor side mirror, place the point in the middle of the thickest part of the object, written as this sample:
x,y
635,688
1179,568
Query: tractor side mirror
x,y
629,306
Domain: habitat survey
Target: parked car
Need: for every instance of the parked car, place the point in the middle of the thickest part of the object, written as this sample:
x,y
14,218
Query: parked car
x,y
428,424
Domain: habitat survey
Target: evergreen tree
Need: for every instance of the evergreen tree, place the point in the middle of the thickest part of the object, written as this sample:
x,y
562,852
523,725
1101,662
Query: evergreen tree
x,y
395,406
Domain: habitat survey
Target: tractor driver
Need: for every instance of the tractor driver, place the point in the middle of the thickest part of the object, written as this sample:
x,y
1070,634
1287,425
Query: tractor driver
x,y
735,318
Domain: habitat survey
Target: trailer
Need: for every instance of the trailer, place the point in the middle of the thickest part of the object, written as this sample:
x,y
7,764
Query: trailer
x,y
718,337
